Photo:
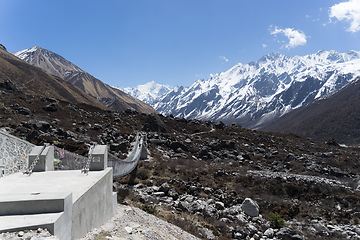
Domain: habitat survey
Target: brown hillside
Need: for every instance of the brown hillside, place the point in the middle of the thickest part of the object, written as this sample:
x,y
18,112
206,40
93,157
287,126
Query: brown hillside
x,y
35,81
334,117
56,65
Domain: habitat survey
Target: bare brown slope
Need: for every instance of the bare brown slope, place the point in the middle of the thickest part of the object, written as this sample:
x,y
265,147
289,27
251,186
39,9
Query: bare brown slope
x,y
337,116
55,64
111,97
33,80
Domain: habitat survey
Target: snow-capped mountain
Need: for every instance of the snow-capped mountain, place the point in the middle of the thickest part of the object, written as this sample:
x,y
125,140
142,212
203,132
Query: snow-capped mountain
x,y
57,65
147,92
50,62
256,93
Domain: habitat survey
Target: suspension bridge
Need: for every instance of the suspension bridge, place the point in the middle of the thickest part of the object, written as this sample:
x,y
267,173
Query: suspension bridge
x,y
36,190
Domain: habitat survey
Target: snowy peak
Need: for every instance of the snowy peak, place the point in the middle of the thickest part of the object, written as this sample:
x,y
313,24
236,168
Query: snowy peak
x,y
147,92
256,93
49,61
57,65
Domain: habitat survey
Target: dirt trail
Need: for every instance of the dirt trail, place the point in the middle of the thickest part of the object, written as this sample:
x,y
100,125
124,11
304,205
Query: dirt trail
x,y
132,223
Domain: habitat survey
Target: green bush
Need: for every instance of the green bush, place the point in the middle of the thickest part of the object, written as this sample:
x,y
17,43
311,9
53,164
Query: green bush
x,y
148,208
276,220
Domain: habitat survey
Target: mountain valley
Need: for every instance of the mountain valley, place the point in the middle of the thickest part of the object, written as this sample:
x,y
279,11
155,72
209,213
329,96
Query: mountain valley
x,y
200,172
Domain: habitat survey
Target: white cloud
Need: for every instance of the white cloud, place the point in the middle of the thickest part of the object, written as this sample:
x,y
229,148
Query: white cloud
x,y
264,45
347,11
296,38
223,58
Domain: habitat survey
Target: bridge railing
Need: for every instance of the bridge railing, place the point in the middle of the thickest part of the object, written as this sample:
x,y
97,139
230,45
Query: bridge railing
x,y
14,155
122,167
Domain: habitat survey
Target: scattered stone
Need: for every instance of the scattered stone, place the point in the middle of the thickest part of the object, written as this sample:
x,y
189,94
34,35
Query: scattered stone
x,y
250,207
173,193
269,233
24,111
21,234
287,234
129,230
10,85
158,194
219,205
50,107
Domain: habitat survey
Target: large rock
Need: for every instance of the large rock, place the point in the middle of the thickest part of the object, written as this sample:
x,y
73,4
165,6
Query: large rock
x,y
10,85
37,125
250,207
288,234
154,124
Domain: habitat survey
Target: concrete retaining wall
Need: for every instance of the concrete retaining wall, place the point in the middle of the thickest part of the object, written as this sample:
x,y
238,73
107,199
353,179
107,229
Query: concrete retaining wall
x,y
95,206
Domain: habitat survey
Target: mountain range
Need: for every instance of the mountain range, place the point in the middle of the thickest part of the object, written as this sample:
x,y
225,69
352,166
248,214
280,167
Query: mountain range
x,y
58,66
333,117
148,92
313,95
259,92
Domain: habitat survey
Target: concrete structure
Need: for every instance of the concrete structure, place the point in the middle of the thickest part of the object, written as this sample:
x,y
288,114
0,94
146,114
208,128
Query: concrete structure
x,y
99,158
46,158
14,153
67,203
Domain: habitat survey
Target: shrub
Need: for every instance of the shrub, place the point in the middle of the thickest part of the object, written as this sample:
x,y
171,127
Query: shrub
x,y
276,221
149,208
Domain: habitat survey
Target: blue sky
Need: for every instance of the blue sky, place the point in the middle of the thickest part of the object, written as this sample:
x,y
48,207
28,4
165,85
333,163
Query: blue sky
x,y
175,42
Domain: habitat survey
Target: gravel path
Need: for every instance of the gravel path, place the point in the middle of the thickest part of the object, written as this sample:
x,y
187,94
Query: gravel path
x,y
128,222
132,223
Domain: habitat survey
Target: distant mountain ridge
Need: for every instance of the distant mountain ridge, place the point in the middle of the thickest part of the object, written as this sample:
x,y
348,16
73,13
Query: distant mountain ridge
x,y
148,92
35,81
335,116
59,66
259,92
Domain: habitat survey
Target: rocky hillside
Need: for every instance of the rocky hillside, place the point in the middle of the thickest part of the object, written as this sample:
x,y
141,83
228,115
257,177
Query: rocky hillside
x,y
34,81
259,92
213,180
335,116
56,65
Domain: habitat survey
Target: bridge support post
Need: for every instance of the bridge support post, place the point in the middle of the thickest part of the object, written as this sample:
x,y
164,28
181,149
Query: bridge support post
x,y
46,158
99,158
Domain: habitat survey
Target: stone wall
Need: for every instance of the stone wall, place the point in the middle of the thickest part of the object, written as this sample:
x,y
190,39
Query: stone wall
x,y
14,153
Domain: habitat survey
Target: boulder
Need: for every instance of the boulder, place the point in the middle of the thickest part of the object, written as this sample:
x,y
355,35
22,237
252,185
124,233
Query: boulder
x,y
164,187
250,207
288,234
173,193
37,125
154,124
24,111
10,85
219,205
50,107
269,233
